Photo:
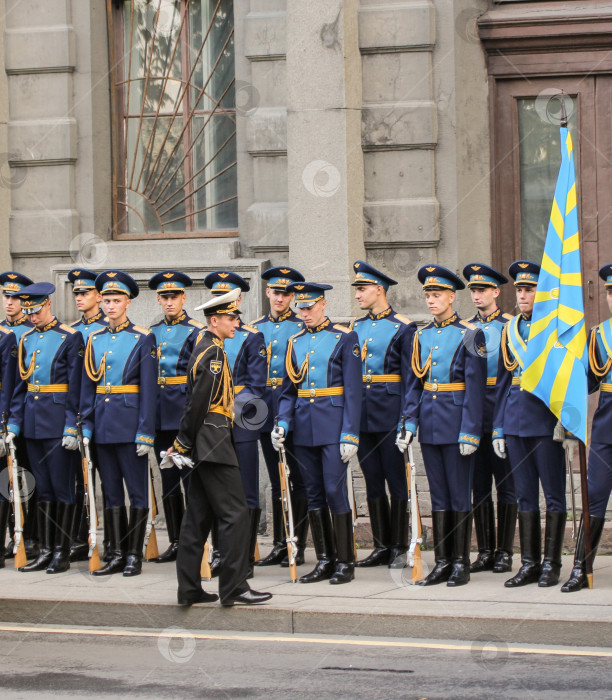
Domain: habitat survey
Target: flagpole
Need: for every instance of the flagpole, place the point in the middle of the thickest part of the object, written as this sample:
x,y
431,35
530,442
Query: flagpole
x,y
586,515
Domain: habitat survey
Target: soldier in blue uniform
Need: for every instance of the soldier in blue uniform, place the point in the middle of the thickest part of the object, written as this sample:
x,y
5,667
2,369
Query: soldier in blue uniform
x,y
484,284
386,339
118,403
247,357
446,401
175,336
44,409
600,454
277,327
320,404
8,369
87,300
526,425
17,322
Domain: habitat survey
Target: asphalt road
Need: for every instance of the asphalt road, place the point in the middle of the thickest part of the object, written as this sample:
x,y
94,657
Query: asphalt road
x,y
65,662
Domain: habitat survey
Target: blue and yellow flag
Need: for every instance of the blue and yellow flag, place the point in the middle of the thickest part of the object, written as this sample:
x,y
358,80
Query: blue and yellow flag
x,y
556,361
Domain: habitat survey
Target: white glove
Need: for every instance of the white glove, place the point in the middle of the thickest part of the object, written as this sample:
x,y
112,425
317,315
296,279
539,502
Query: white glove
x,y
70,442
466,449
9,438
85,441
278,437
2,447
499,447
570,443
559,432
347,451
144,450
402,443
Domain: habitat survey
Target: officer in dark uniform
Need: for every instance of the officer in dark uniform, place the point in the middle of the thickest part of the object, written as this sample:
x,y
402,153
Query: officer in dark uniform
x,y
446,400
215,486
484,284
8,370
386,339
87,300
600,453
175,336
277,327
17,322
120,383
526,425
44,409
321,404
247,357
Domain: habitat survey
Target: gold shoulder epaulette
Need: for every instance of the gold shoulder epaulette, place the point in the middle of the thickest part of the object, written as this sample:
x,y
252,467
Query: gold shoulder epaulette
x,y
140,329
338,327
250,329
257,320
403,319
68,329
507,317
467,324
4,330
196,324
74,324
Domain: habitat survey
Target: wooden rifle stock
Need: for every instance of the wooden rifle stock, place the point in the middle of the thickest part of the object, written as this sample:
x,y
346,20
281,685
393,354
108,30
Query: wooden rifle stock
x,y
89,498
416,530
15,496
283,470
205,571
151,551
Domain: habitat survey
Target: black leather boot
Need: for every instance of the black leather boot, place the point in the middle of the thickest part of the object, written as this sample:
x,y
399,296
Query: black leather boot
x,y
5,508
117,533
106,542
254,517
578,577
279,546
484,524
506,527
79,549
63,538
174,509
461,537
531,549
442,526
46,529
553,549
136,533
380,521
345,552
398,556
215,562
30,527
321,529
300,525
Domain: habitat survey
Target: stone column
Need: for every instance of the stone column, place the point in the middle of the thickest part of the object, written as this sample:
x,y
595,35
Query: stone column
x,y
325,161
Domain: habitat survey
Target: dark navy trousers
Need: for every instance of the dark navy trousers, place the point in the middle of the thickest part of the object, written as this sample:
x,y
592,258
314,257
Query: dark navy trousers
x,y
171,478
449,475
119,463
489,466
381,462
298,490
54,470
248,458
599,478
324,475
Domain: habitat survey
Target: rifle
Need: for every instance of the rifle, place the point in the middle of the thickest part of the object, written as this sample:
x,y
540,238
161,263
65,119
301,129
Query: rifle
x,y
291,539
570,467
15,497
351,498
90,499
151,550
416,530
205,572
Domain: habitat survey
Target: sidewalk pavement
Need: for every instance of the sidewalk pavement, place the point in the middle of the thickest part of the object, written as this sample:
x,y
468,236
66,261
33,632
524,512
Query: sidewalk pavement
x,y
379,602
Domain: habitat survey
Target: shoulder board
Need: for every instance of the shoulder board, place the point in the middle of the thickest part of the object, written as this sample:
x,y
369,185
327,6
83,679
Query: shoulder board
x,y
403,319
467,324
5,330
100,330
250,329
338,327
74,324
155,325
196,324
507,317
68,329
258,320
298,334
140,329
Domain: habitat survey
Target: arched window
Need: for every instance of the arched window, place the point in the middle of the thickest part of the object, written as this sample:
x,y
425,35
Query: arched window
x,y
174,118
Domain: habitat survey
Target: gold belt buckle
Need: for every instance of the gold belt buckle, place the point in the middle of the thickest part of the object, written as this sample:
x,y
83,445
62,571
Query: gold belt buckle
x,y
162,380
36,388
368,378
107,389
434,386
313,392
274,381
